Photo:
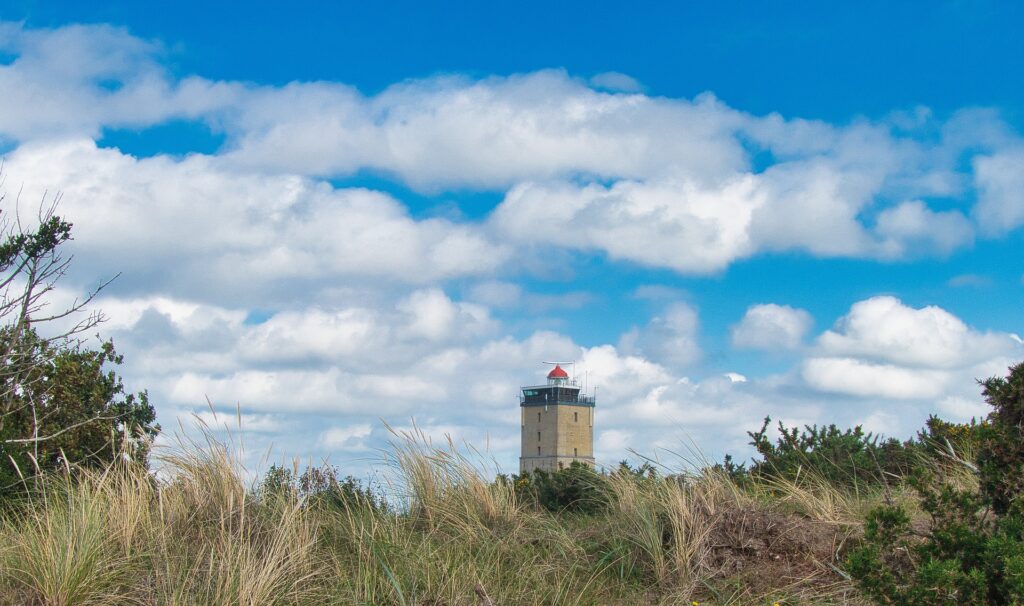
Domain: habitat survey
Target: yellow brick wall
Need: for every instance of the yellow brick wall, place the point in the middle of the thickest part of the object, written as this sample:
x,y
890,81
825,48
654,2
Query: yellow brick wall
x,y
557,430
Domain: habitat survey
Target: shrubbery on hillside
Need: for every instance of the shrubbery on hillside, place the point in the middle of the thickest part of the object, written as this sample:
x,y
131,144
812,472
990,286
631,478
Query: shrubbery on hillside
x,y
972,549
575,489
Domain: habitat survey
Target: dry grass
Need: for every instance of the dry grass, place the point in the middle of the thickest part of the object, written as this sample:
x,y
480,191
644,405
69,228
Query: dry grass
x,y
201,536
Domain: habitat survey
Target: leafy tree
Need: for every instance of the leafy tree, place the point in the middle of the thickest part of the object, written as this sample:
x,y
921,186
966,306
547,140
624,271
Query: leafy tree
x,y
60,402
71,409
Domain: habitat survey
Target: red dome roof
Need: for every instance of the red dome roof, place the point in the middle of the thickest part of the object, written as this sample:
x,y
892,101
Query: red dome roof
x,y
558,373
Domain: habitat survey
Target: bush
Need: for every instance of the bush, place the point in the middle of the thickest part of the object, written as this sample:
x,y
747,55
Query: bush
x,y
577,488
944,438
972,551
319,486
843,458
70,411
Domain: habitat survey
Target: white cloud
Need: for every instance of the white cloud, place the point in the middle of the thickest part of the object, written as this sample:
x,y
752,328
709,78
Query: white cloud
x,y
228,230
882,423
657,181
883,328
499,294
676,225
1000,182
349,438
883,348
614,444
434,316
865,379
912,226
616,81
670,338
320,310
451,131
312,334
77,79
959,407
770,327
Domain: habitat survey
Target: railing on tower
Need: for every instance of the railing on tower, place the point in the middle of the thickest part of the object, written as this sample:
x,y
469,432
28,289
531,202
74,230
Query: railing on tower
x,y
543,394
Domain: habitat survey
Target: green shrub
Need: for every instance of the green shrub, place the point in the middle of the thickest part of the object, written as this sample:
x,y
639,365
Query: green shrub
x,y
319,486
1001,457
944,438
843,458
972,551
577,488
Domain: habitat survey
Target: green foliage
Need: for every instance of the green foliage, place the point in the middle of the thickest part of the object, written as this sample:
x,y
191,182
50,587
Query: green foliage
x,y
1001,459
61,403
942,437
972,551
320,486
19,247
69,409
844,458
577,488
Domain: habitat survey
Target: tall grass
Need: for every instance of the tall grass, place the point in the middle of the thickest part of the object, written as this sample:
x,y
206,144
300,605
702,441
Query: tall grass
x,y
200,535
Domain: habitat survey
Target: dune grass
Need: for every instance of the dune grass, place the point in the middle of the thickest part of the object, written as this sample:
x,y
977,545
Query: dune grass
x,y
200,535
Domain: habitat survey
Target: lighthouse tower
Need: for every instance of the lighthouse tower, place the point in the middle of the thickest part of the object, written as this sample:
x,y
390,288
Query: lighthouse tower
x,y
557,424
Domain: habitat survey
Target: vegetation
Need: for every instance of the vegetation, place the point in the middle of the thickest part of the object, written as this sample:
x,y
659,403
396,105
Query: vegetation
x,y
450,536
443,533
61,403
971,547
847,458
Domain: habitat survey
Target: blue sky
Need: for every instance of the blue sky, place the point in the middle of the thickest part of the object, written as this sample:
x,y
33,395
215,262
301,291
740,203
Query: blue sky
x,y
335,214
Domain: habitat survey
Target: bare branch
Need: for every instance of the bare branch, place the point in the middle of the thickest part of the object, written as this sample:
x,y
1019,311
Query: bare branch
x,y
62,431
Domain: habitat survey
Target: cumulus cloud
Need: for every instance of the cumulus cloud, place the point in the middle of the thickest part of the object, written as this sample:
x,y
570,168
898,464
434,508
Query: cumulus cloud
x,y
78,79
860,378
322,376
912,226
1000,182
500,294
657,181
313,379
663,225
222,228
349,438
808,205
883,328
887,349
670,338
320,310
490,133
769,326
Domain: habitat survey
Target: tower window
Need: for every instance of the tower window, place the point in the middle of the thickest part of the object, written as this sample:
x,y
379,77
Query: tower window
x,y
576,417
574,453
538,451
538,417
538,436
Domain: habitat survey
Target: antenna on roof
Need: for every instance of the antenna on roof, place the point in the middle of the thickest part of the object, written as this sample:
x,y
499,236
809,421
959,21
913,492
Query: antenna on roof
x,y
573,364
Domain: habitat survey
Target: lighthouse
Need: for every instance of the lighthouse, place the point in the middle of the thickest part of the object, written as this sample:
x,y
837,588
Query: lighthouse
x,y
557,424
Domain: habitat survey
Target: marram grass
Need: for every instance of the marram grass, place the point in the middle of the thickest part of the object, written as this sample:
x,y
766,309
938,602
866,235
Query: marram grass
x,y
200,535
